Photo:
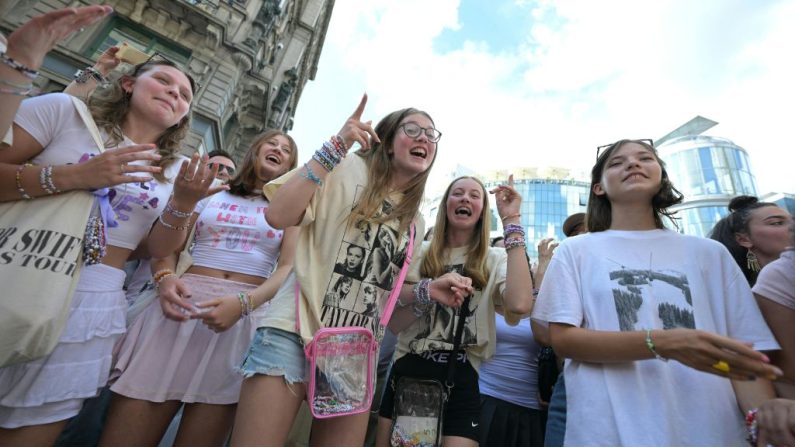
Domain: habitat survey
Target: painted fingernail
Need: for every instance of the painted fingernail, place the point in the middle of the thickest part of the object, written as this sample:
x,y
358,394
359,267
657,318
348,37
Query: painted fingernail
x,y
778,371
765,358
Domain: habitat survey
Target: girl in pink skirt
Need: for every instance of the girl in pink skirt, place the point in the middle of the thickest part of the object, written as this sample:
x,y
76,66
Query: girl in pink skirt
x,y
185,347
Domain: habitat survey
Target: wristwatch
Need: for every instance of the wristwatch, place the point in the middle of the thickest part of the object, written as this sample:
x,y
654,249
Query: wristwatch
x,y
82,76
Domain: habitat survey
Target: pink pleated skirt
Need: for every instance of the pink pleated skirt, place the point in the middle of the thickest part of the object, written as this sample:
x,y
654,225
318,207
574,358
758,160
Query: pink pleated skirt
x,y
161,359
53,388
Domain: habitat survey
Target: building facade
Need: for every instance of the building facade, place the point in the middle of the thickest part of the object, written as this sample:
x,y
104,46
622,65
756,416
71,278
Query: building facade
x,y
709,171
251,58
549,195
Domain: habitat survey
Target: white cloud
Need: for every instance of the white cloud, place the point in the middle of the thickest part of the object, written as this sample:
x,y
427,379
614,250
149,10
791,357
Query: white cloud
x,y
586,73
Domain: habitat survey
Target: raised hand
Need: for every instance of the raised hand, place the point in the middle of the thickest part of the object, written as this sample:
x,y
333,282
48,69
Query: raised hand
x,y
173,295
355,131
112,167
450,289
107,61
546,249
30,42
714,354
219,314
194,180
508,201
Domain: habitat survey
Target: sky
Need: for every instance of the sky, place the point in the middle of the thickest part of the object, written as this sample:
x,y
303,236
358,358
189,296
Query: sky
x,y
542,83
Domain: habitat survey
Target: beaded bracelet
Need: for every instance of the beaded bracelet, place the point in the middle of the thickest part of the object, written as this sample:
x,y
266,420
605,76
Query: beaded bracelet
x,y
752,425
326,157
650,345
513,229
28,72
310,175
340,145
45,181
18,177
246,306
160,275
514,242
422,297
177,213
169,226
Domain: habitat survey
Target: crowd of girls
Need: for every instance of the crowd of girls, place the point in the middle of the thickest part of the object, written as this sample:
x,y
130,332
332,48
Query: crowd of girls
x,y
663,339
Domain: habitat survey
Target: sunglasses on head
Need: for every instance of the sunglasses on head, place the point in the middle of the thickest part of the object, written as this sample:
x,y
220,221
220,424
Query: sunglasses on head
x,y
604,147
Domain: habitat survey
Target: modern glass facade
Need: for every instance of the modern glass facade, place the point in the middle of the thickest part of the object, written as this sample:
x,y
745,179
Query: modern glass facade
x,y
709,171
545,205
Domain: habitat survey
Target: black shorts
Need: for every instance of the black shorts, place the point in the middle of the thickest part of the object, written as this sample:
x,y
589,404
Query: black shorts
x,y
462,411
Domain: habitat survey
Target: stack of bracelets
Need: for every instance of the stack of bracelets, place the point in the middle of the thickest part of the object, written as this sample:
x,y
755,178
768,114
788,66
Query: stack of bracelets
x,y
422,297
329,156
514,236
45,181
17,88
176,213
246,306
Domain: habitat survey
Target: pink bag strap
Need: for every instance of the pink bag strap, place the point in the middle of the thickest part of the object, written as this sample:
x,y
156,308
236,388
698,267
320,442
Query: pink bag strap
x,y
393,296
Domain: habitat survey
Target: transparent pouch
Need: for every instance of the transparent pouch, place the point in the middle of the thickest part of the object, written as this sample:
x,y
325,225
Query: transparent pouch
x,y
418,413
341,371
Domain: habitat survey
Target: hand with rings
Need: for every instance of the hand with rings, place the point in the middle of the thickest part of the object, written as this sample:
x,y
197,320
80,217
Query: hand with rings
x,y
714,354
115,166
194,182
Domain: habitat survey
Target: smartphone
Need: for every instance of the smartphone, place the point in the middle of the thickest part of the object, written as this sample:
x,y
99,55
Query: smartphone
x,y
131,55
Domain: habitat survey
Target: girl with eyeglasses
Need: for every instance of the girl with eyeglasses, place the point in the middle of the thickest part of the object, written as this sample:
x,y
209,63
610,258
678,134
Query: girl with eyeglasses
x,y
494,278
660,331
185,349
333,197
146,188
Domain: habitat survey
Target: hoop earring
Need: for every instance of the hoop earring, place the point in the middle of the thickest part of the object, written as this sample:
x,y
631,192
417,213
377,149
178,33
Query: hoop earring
x,y
752,262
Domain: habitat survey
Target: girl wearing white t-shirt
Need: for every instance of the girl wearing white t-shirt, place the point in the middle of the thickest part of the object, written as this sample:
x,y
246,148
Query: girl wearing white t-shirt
x,y
339,201
142,118
186,347
652,323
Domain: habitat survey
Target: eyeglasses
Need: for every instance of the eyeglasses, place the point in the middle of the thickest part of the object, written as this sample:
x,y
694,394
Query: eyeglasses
x,y
599,149
161,59
413,130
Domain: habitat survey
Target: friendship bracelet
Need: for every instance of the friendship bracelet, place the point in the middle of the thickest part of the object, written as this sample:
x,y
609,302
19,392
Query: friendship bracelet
x,y
511,216
168,225
333,152
18,177
514,242
45,181
25,70
340,144
513,229
650,345
177,213
309,175
752,425
422,297
160,275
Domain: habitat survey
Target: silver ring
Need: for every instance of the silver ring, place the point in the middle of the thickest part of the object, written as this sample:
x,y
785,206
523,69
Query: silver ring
x,y
123,166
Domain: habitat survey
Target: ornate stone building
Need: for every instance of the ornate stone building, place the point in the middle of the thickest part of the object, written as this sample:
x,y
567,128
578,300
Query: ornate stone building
x,y
251,58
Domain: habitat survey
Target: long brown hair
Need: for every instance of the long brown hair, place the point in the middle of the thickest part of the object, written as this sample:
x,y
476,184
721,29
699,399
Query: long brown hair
x,y
598,215
475,266
245,180
380,173
109,106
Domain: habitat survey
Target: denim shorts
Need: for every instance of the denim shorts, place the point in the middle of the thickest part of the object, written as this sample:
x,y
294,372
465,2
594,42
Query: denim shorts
x,y
275,352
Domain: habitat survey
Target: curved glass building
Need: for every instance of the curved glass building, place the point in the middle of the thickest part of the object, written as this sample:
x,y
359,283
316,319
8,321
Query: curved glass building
x,y
709,171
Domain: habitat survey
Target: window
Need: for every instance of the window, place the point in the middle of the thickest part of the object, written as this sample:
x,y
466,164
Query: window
x,y
120,30
206,130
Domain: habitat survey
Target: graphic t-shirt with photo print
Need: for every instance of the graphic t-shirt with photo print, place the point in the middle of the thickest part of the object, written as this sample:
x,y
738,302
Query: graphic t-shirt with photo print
x,y
434,331
346,266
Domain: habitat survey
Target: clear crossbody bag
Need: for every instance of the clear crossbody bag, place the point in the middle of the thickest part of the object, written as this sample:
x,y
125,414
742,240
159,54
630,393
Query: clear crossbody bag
x,y
342,359
418,411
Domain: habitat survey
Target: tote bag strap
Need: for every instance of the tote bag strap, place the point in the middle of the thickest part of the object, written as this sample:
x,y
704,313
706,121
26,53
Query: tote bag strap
x,y
88,120
393,296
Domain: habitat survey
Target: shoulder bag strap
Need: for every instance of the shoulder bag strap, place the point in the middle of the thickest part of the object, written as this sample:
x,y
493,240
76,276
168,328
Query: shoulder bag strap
x,y
463,314
393,296
88,120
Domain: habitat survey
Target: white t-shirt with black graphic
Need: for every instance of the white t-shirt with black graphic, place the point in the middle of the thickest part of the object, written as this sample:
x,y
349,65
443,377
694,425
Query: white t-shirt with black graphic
x,y
637,280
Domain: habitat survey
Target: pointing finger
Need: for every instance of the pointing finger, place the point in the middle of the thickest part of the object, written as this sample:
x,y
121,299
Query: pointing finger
x,y
357,114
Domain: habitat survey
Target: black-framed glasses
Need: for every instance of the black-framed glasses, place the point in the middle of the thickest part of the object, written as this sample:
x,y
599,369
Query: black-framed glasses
x,y
602,148
158,58
221,168
413,130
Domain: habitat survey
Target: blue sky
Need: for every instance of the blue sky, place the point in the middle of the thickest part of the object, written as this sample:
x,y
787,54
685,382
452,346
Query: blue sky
x,y
541,83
